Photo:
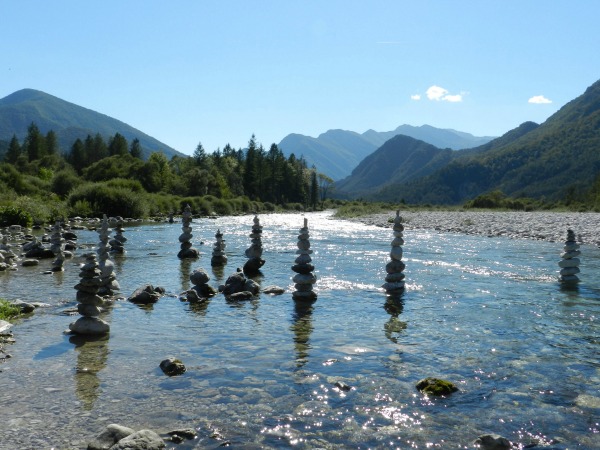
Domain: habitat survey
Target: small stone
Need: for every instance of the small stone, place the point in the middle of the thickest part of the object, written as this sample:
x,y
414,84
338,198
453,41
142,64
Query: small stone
x,y
172,367
436,386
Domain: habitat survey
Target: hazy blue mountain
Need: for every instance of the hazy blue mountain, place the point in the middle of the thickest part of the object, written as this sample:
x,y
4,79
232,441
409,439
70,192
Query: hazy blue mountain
x,y
555,159
69,121
337,152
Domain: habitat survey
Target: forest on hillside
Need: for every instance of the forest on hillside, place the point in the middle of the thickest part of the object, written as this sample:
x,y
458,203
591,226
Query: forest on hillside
x,y
40,184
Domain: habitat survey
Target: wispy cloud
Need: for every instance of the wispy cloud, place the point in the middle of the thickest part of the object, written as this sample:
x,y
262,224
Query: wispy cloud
x,y
415,97
539,99
438,94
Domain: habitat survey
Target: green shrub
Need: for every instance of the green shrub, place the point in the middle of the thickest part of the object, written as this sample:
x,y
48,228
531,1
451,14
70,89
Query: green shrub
x,y
8,310
109,200
10,215
222,207
64,182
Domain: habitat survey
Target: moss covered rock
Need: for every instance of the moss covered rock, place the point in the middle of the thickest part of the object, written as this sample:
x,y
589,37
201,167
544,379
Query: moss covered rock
x,y
436,386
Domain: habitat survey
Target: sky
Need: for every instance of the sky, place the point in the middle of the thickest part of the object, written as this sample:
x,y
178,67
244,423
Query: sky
x,y
216,72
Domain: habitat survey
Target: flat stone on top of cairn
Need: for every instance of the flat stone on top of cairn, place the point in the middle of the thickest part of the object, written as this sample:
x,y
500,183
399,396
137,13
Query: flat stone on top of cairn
x,y
109,283
89,300
218,255
254,252
117,243
304,278
569,265
394,280
187,251
57,247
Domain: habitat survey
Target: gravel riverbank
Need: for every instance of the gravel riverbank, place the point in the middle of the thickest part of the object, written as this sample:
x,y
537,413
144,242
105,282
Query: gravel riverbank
x,y
546,226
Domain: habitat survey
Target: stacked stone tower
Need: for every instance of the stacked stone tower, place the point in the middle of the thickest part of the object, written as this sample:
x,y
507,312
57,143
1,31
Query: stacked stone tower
x,y
394,280
254,252
187,250
57,247
218,255
569,265
108,281
117,243
304,278
89,300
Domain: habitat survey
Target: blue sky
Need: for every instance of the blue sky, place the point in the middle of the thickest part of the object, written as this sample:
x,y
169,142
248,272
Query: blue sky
x,y
218,71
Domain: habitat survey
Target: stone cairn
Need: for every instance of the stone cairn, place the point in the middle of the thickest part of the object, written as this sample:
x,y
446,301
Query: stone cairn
x,y
201,289
394,280
57,245
117,243
254,252
569,266
218,255
89,300
304,278
108,281
7,256
187,251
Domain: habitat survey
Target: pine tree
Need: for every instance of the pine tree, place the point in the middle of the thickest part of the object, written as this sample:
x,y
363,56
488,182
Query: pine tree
x,y
136,149
35,143
14,151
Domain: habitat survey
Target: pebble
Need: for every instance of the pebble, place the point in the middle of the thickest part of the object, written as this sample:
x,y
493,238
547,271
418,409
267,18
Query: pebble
x,y
536,225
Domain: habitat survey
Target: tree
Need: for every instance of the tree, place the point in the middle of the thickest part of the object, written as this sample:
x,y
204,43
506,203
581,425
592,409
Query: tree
x,y
78,157
117,145
51,143
35,143
135,149
314,188
14,151
325,183
200,156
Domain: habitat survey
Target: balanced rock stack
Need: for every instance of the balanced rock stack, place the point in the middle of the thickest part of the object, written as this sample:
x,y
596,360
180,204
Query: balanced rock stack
x,y
187,251
56,245
569,266
201,289
7,256
394,280
117,243
218,255
108,281
304,278
254,252
89,300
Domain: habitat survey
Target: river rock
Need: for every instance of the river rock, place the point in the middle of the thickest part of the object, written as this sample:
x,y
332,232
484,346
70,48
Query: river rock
x,y
492,442
140,440
112,434
146,294
172,367
218,255
199,278
569,265
436,386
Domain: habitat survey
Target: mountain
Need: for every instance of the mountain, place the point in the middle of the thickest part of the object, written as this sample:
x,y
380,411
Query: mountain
x,y
336,152
69,121
554,160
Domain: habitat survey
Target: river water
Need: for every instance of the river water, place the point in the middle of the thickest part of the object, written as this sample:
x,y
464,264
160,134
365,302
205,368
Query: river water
x,y
485,313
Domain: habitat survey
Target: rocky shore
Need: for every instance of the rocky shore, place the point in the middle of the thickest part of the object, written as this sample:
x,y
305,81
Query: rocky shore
x,y
544,226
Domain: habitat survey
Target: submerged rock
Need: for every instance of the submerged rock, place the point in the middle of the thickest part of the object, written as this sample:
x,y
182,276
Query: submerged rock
x,y
172,367
436,386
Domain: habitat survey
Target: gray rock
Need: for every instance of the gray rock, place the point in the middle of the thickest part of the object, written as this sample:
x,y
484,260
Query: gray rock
x,y
492,442
140,440
112,434
91,326
146,294
30,262
274,290
23,306
4,325
199,276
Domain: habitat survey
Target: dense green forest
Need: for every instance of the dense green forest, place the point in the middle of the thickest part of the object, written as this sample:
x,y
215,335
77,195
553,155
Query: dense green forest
x,y
40,184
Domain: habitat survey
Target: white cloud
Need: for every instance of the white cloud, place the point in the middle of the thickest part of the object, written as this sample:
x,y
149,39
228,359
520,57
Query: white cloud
x,y
415,97
539,99
453,98
438,93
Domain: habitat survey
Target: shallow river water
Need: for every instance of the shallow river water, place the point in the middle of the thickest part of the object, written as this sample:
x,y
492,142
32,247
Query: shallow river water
x,y
485,313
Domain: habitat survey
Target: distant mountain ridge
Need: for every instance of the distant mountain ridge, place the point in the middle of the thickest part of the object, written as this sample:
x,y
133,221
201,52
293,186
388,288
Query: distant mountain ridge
x,y
558,158
337,152
68,120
